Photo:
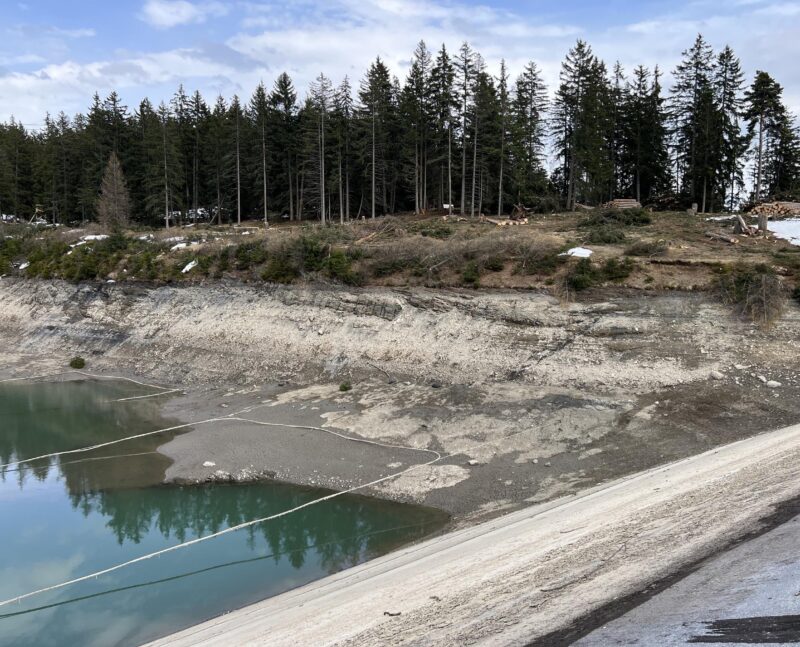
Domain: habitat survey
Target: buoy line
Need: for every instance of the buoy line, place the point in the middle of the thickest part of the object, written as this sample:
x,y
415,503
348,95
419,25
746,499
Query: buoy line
x,y
437,458
215,567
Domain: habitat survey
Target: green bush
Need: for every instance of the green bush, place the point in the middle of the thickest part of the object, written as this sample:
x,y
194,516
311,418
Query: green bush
x,y
617,217
582,275
614,270
471,275
280,269
345,386
77,363
605,235
585,274
249,254
494,264
339,266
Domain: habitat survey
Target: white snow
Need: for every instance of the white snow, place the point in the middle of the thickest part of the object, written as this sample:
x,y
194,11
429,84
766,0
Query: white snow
x,y
178,246
95,237
579,252
786,229
24,265
209,464
189,267
174,239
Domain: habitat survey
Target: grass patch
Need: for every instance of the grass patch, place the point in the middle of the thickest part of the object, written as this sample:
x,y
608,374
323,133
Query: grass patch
x,y
77,363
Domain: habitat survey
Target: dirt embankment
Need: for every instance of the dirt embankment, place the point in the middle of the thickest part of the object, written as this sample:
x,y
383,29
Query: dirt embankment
x,y
526,398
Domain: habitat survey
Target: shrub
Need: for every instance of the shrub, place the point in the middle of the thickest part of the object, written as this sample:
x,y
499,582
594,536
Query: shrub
x,y
471,275
345,386
494,264
249,254
614,270
647,248
754,291
605,235
339,266
617,217
77,363
280,269
582,275
535,258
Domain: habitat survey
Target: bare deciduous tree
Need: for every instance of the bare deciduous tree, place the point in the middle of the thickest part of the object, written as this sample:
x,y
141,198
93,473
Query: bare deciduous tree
x,y
113,205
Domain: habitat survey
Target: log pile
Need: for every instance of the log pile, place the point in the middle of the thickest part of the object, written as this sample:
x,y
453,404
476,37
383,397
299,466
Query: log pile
x,y
777,209
623,203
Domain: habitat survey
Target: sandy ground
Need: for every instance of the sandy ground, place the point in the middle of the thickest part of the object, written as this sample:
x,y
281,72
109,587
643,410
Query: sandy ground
x,y
518,577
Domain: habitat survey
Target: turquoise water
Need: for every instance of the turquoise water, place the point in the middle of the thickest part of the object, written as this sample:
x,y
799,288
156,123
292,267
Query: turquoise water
x,y
63,518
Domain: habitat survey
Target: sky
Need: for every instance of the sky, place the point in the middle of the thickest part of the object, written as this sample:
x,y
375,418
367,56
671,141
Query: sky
x,y
54,55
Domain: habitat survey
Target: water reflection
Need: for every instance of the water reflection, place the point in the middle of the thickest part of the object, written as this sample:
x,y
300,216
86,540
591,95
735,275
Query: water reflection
x,y
65,518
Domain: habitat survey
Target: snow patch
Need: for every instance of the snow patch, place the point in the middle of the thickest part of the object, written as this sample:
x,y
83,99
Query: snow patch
x,y
578,252
189,267
786,229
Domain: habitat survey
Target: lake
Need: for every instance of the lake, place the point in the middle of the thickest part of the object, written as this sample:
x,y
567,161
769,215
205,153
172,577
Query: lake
x,y
68,516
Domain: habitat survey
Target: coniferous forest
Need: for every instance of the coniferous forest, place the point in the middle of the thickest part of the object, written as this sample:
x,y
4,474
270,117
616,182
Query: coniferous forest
x,y
450,134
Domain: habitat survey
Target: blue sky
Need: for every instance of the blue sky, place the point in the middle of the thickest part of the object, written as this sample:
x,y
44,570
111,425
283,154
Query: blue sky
x,y
54,54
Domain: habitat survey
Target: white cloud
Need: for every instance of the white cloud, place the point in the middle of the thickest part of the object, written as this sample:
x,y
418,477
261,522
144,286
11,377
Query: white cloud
x,y
164,14
342,37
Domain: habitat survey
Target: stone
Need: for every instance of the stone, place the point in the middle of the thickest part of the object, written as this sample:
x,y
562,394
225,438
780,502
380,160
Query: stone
x,y
772,384
209,464
473,462
716,375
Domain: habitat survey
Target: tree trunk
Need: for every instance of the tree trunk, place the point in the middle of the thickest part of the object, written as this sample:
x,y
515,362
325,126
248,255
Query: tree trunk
x,y
238,176
264,171
474,167
500,183
449,170
373,161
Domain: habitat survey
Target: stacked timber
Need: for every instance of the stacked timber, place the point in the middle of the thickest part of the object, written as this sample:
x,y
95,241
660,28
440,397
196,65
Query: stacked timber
x,y
777,209
625,203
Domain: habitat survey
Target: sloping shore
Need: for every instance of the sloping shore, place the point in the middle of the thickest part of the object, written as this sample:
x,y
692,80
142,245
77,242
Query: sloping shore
x,y
524,398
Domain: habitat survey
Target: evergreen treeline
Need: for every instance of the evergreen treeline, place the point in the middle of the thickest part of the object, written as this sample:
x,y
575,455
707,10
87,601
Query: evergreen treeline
x,y
452,134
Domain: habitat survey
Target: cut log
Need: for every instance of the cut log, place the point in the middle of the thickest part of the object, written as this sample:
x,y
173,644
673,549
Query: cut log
x,y
727,239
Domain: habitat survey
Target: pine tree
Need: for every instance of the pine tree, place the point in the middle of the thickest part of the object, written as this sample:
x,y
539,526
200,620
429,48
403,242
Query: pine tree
x,y
692,114
113,205
283,101
529,131
443,108
258,114
465,73
645,159
732,146
763,116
